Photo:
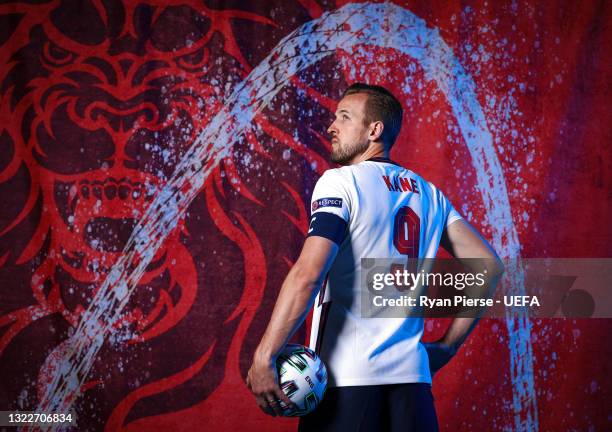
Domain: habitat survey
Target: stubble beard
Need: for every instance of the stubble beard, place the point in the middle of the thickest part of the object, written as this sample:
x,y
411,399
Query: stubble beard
x,y
342,156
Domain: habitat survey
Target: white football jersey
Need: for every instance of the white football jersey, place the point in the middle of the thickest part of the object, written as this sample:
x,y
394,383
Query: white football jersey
x,y
374,209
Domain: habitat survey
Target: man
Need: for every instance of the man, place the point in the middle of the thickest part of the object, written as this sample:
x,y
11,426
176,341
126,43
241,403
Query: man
x,y
379,370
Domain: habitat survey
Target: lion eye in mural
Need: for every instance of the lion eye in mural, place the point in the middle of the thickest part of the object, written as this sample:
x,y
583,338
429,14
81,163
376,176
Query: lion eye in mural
x,y
55,56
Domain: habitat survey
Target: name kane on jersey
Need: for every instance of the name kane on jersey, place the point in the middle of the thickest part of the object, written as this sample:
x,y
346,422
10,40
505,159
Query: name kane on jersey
x,y
401,184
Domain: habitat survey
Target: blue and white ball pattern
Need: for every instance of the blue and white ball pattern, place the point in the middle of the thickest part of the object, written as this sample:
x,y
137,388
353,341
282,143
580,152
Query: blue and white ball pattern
x,y
303,378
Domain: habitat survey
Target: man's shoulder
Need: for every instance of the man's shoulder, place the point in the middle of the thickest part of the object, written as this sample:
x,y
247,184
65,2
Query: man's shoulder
x,y
342,173
353,174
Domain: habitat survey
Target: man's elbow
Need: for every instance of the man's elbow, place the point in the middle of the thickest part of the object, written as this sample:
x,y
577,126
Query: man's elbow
x,y
497,267
306,278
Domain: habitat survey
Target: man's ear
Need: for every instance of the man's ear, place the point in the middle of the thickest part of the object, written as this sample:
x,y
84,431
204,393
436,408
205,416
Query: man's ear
x,y
376,130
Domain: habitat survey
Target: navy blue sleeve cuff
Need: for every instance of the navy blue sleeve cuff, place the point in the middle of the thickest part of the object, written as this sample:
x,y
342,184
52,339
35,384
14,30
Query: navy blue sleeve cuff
x,y
327,225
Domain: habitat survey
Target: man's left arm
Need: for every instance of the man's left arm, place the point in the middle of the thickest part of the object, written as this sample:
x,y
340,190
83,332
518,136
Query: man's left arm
x,y
295,299
463,241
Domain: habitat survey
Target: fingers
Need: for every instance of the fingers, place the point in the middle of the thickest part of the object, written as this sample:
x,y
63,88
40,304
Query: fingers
x,y
269,396
265,406
270,401
274,403
281,396
270,405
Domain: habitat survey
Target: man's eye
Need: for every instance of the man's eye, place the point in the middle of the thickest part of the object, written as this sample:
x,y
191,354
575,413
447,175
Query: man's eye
x,y
345,117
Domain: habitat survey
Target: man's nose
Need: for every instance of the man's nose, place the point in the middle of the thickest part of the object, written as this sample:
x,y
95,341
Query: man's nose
x,y
332,128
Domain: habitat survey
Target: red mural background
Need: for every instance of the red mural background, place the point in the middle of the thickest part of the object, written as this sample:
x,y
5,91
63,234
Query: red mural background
x,y
101,98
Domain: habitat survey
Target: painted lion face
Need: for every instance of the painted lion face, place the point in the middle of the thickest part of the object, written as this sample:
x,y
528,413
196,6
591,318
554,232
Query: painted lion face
x,y
99,102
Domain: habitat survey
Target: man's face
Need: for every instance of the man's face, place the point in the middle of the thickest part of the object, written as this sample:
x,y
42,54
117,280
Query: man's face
x,y
349,135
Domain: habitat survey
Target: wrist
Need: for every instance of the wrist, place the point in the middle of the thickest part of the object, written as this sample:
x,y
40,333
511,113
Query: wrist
x,y
450,346
263,356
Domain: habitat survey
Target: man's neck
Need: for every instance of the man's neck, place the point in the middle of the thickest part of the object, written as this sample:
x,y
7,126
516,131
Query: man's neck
x,y
374,150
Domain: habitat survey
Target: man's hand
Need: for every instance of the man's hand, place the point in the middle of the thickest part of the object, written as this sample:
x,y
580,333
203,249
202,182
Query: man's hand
x,y
439,354
262,380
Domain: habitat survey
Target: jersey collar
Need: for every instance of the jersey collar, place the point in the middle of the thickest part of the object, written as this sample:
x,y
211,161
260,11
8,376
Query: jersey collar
x,y
382,160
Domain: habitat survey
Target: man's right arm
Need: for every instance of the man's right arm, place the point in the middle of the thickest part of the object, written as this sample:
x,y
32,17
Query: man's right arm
x,y
461,240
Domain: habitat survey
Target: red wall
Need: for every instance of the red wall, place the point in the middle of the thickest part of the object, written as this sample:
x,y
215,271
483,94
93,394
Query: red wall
x,y
105,97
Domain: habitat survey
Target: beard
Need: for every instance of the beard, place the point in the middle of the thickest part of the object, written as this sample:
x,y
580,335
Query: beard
x,y
342,156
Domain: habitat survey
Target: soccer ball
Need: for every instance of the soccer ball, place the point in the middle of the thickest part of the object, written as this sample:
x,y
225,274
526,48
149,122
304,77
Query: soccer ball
x,y
303,378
